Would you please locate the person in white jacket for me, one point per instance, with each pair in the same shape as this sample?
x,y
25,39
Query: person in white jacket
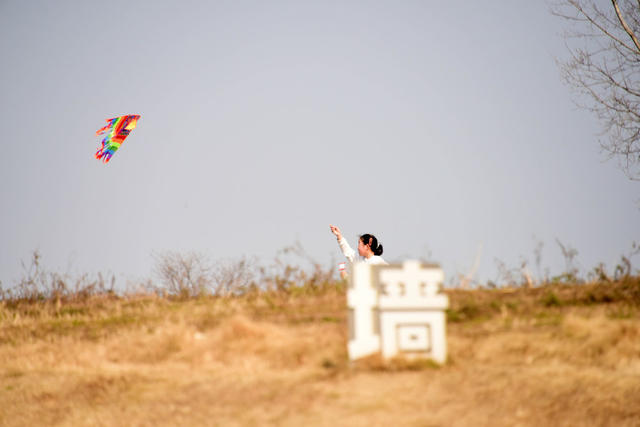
x,y
369,248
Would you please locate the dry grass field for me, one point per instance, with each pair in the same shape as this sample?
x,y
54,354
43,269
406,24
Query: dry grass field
x,y
565,355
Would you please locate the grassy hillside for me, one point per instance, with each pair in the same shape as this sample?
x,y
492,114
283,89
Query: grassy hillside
x,y
551,355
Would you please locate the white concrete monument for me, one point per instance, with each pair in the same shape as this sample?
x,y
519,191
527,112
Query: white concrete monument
x,y
397,309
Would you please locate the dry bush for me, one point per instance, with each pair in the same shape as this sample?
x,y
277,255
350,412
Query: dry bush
x,y
235,277
38,285
194,275
185,275
295,271
520,275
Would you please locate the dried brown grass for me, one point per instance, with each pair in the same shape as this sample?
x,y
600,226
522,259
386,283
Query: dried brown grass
x,y
516,358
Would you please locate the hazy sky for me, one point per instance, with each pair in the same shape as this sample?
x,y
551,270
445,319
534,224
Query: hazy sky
x,y
439,127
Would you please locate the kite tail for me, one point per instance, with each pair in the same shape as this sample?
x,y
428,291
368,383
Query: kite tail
x,y
104,155
105,152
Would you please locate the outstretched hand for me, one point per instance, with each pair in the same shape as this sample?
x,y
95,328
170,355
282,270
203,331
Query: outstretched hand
x,y
336,231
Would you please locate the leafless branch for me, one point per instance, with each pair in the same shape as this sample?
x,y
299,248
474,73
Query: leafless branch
x,y
606,68
624,24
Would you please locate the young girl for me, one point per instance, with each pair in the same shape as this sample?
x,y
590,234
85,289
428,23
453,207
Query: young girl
x,y
368,248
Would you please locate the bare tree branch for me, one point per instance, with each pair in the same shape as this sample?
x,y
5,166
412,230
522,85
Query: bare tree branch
x,y
605,70
624,24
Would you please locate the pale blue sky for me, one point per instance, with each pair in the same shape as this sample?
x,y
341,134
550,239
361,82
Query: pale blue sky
x,y
437,126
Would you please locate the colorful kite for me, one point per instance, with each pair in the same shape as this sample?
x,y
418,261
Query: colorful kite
x,y
117,130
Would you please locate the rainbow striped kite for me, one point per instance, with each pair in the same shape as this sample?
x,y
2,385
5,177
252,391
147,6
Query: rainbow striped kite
x,y
117,130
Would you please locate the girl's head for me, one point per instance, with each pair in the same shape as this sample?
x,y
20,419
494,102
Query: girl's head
x,y
368,246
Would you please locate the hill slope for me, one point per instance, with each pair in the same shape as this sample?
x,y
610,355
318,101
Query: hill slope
x,y
557,355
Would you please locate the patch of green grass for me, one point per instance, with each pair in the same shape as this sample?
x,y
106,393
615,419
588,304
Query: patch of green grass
x,y
329,364
512,305
545,318
469,311
63,327
72,311
117,321
551,300
622,312
87,328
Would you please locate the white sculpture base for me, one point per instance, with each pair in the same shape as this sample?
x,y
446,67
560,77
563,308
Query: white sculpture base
x,y
397,309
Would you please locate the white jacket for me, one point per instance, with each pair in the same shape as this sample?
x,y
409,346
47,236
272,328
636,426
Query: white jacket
x,y
353,257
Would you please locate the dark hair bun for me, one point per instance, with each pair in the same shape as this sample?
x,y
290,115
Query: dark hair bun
x,y
370,239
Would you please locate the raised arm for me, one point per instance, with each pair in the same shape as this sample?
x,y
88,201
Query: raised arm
x,y
349,253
